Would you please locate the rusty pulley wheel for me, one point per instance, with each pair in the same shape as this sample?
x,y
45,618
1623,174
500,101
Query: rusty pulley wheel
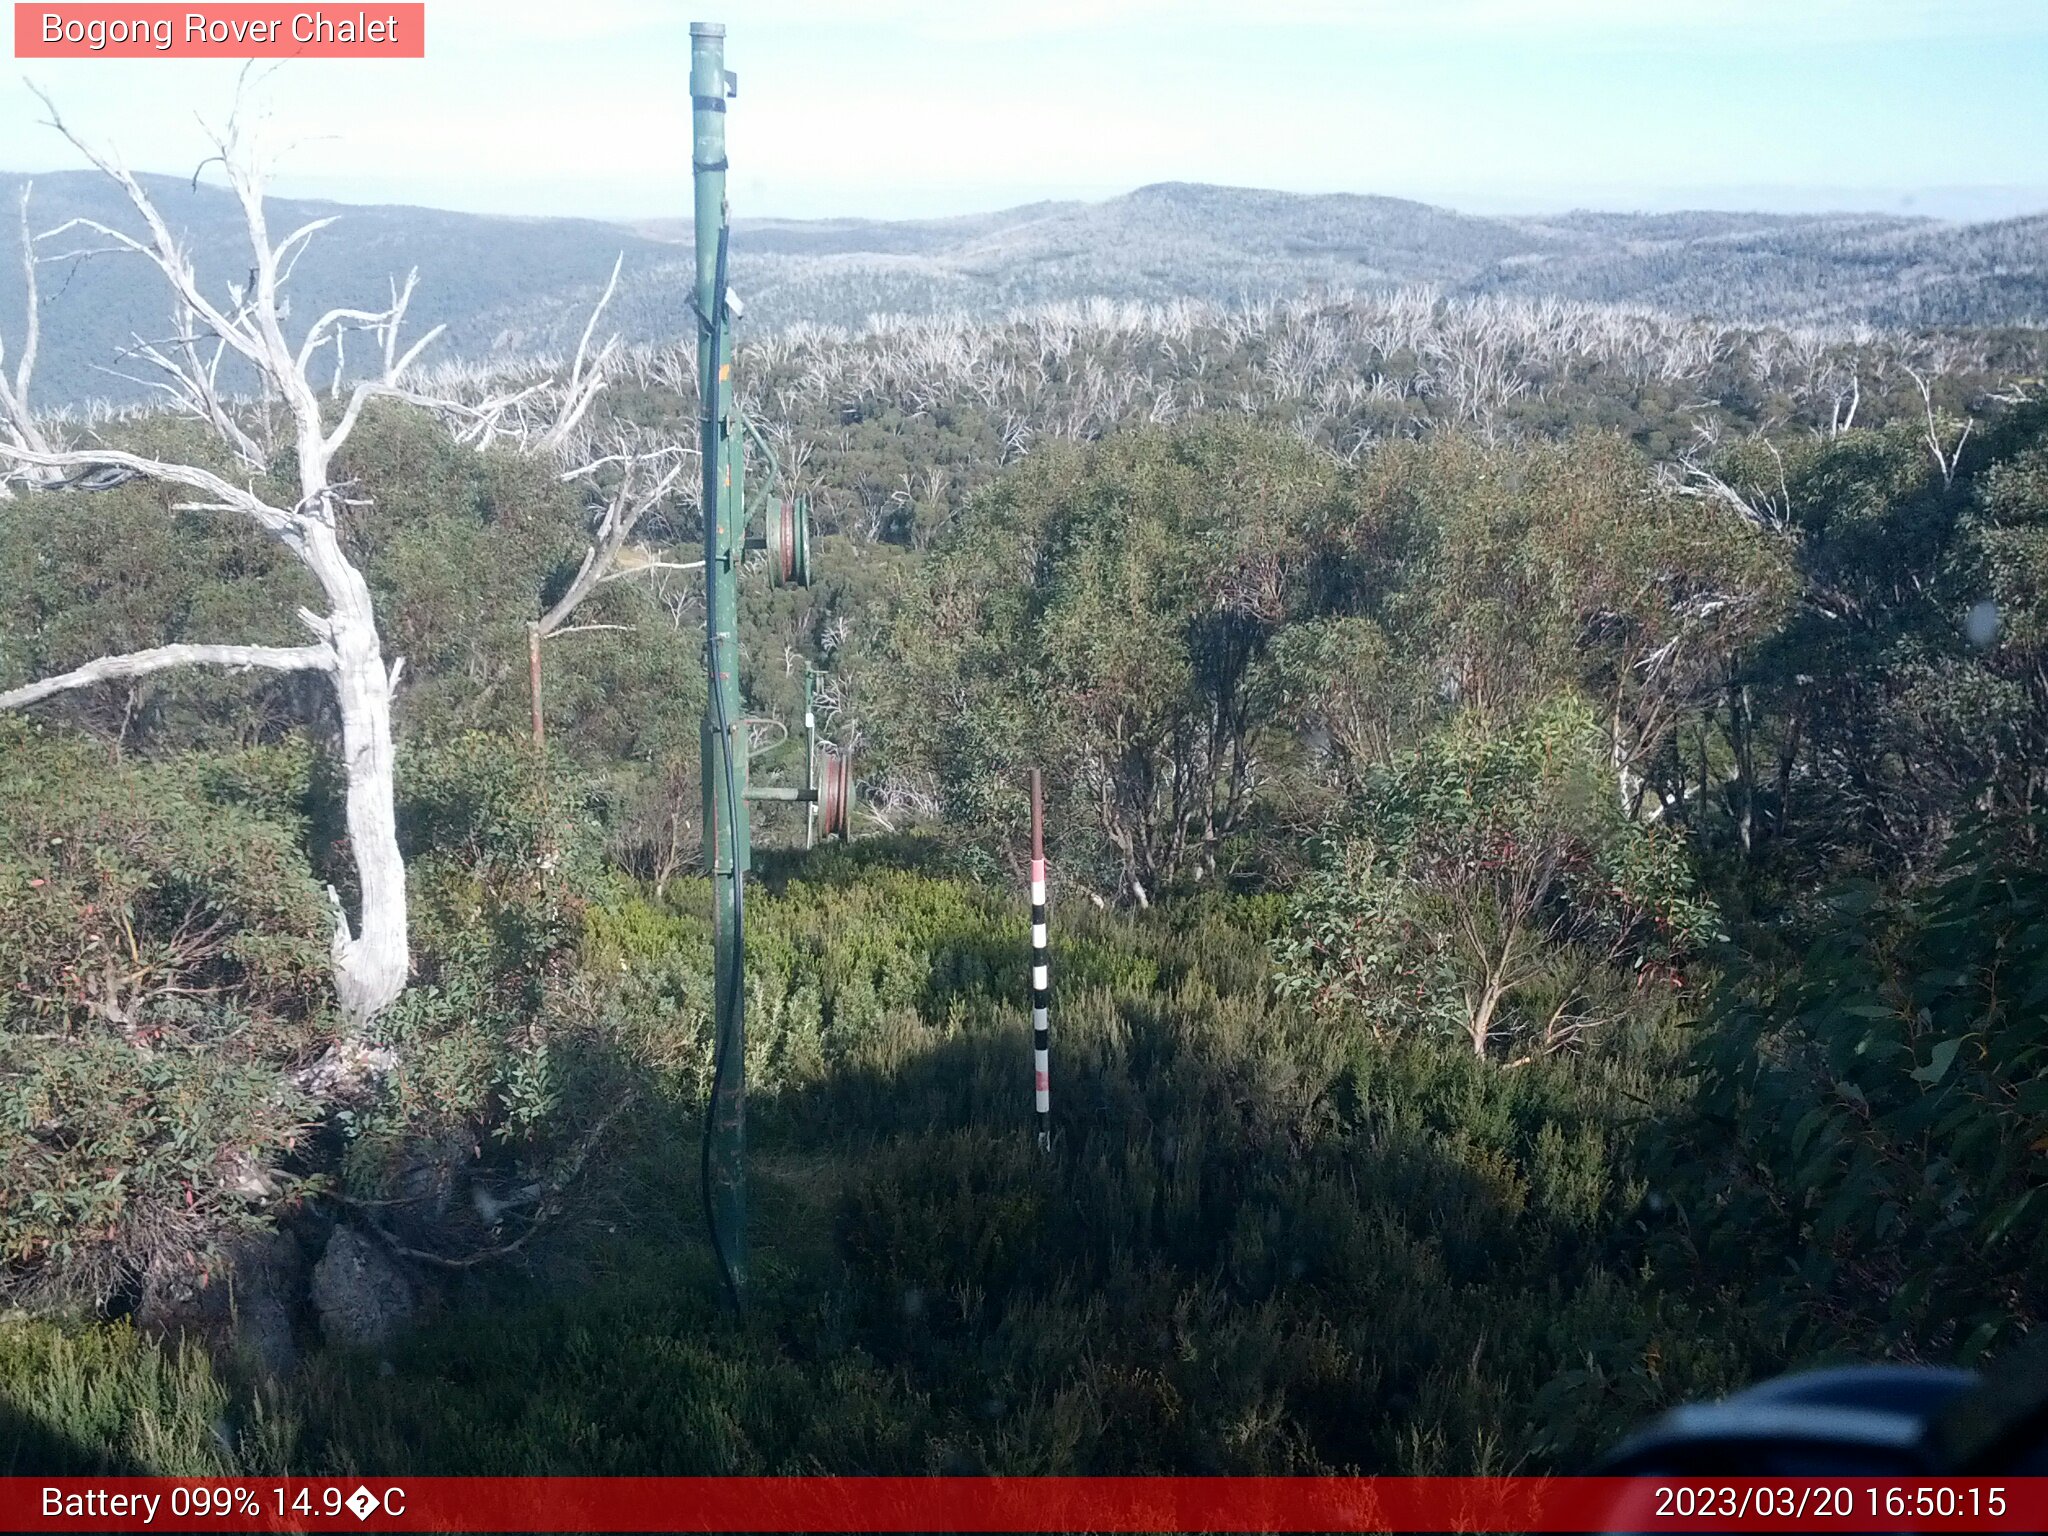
x,y
835,796
789,542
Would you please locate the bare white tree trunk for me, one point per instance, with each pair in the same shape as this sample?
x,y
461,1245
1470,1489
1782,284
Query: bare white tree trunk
x,y
371,963
370,966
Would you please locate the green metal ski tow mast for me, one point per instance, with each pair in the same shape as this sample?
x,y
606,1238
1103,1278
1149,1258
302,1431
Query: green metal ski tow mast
x,y
725,1121
827,790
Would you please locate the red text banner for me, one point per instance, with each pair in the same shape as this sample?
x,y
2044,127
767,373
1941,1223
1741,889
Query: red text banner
x,y
1195,1504
235,31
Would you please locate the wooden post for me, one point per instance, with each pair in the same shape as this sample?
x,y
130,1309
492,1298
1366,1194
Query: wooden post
x,y
540,735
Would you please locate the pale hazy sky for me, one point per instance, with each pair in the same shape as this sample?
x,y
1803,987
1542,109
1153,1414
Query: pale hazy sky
x,y
896,108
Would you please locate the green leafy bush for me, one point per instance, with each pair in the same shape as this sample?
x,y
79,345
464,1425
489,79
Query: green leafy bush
x,y
1876,1114
503,852
163,964
1489,885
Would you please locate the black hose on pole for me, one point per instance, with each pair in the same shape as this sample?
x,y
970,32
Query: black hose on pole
x,y
727,990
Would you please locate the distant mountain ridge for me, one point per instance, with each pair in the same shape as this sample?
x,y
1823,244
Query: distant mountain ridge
x,y
516,286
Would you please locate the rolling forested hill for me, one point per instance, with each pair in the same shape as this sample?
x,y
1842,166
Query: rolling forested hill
x,y
507,287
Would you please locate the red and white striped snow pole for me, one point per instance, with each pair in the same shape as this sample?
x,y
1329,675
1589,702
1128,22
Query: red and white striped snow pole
x,y
1041,1028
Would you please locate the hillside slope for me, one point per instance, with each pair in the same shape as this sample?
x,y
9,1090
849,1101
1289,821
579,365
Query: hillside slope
x,y
507,286
498,284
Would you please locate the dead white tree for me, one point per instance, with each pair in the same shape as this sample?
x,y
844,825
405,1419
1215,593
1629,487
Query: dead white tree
x,y
1945,455
1844,398
1764,508
370,959
630,473
588,374
17,421
646,478
640,479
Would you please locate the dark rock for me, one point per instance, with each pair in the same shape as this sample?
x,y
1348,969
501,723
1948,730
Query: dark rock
x,y
363,1298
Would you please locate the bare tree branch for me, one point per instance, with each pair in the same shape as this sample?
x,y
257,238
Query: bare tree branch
x,y
1946,458
274,658
226,495
583,388
1766,510
646,481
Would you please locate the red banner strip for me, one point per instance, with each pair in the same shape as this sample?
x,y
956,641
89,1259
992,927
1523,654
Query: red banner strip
x,y
1196,1504
243,31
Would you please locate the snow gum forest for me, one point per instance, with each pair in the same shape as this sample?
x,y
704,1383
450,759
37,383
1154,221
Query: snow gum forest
x,y
1546,799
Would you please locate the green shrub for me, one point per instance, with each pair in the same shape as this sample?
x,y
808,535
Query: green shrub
x,y
504,855
109,1400
1488,886
1875,1114
1263,1241
162,968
